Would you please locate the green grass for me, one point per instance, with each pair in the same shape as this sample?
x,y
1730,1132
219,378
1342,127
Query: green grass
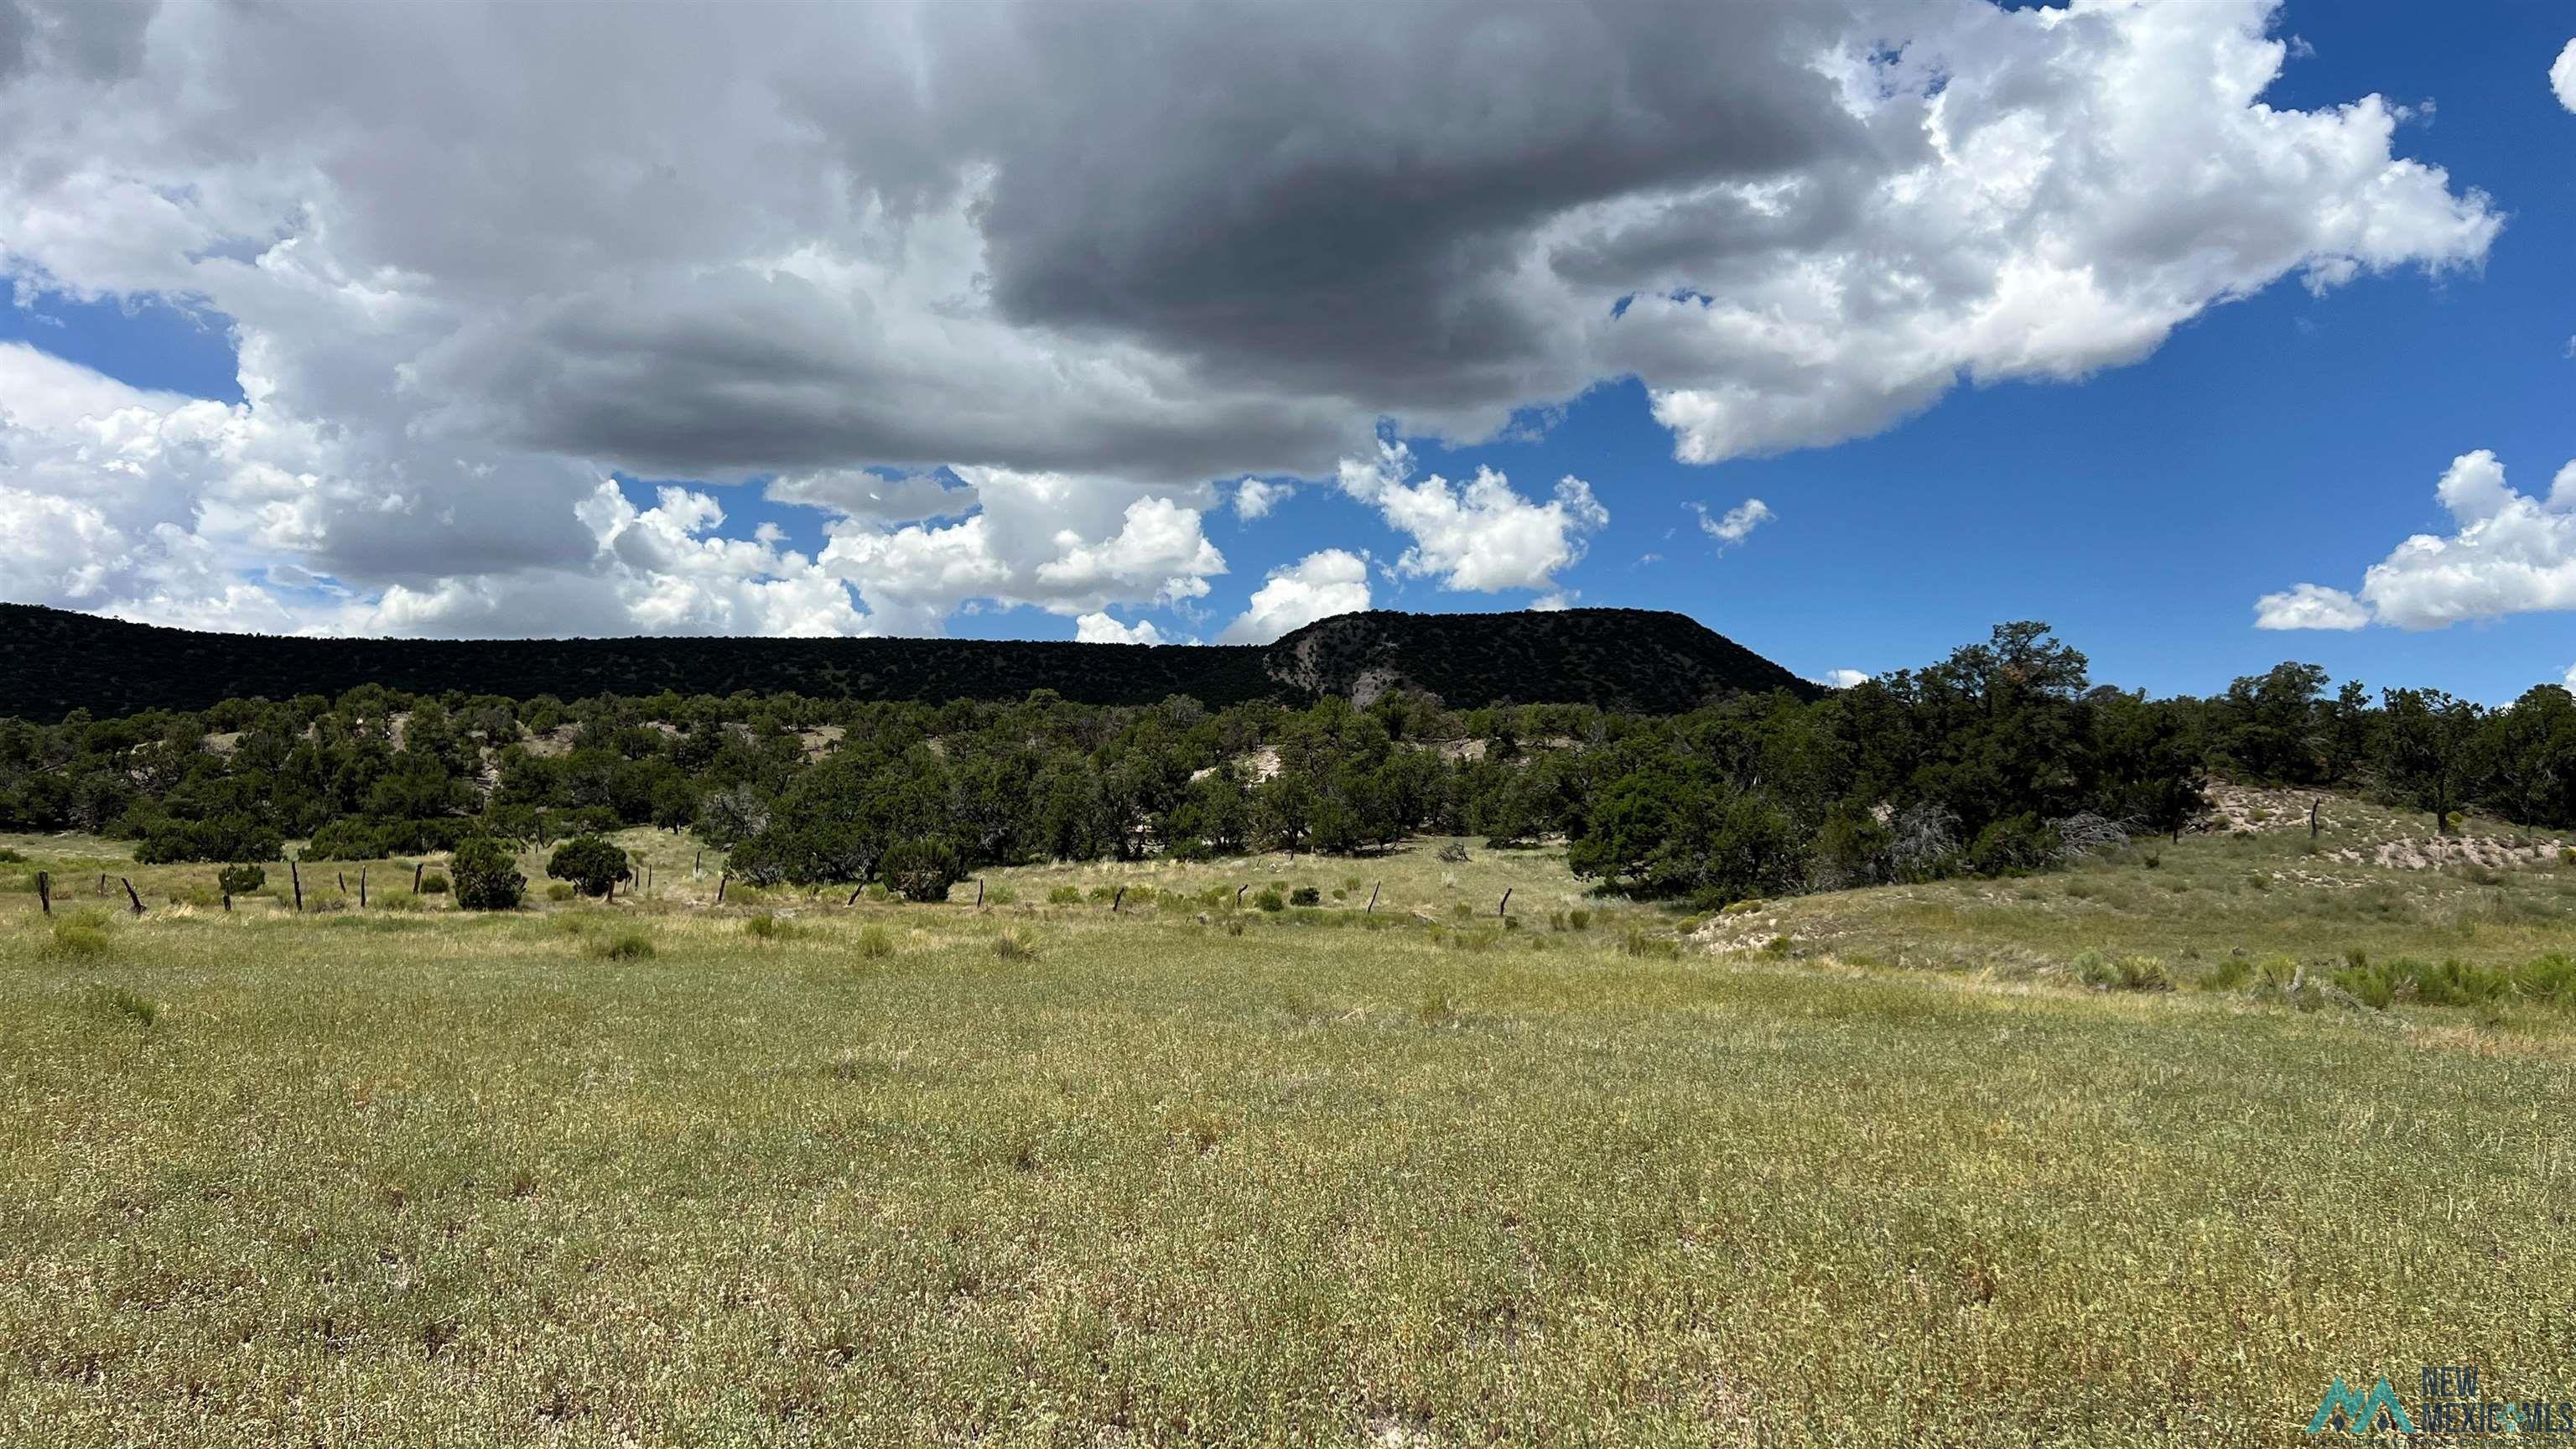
x,y
1192,1175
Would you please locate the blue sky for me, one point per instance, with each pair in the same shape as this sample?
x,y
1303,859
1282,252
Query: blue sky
x,y
2278,435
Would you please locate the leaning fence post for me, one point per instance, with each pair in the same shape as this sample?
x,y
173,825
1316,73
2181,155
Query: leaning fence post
x,y
130,895
979,893
1238,894
1506,905
297,878
1114,900
721,878
854,893
417,868
1373,888
45,891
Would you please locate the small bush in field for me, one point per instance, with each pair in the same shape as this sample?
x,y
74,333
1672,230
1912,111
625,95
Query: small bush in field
x,y
921,870
79,936
119,1003
770,926
1643,944
1013,946
561,891
1453,852
2127,973
592,865
1270,899
1065,895
487,876
1305,895
623,946
874,943
433,884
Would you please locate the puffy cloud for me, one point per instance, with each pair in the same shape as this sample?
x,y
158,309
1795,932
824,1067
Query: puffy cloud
x,y
2310,606
2510,553
2562,76
1842,678
1735,524
1102,629
1255,497
994,237
1052,541
1318,586
1482,536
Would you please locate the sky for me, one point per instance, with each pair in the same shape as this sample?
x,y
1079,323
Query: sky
x,y
2213,332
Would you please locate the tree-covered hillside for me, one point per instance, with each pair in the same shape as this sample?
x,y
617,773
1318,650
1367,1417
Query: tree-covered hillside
x,y
52,662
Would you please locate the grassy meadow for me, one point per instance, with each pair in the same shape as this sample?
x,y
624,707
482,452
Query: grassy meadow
x,y
1876,1167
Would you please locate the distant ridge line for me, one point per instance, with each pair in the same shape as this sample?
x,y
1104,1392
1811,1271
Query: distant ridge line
x,y
53,662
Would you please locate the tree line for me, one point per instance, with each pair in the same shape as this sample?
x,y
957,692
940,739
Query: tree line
x,y
2002,757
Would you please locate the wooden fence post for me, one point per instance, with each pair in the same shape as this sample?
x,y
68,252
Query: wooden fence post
x,y
1506,905
417,868
979,893
131,896
1114,900
854,894
362,887
1373,889
45,891
2312,818
297,877
1238,895
227,895
721,878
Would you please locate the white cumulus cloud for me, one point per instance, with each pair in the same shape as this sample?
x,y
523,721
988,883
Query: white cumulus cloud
x,y
2562,76
1480,536
1255,497
1103,629
2508,553
1318,586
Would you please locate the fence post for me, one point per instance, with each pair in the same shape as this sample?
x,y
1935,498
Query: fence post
x,y
1506,905
2312,818
362,887
854,894
226,894
1238,895
417,868
130,895
1373,889
1114,900
297,878
721,878
45,891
